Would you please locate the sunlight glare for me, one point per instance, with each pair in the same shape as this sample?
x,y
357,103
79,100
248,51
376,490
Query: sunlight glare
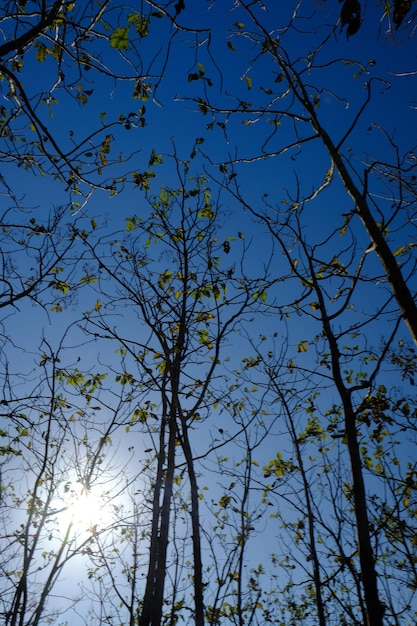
x,y
87,509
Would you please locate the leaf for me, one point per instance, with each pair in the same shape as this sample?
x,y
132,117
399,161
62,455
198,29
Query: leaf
x,y
350,16
97,305
119,39
105,145
401,8
41,52
61,285
225,501
131,223
155,158
141,24
88,279
248,82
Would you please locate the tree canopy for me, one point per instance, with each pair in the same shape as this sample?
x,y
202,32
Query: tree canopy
x,y
209,319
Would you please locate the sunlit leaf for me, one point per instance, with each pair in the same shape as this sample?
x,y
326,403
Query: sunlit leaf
x,y
120,38
248,82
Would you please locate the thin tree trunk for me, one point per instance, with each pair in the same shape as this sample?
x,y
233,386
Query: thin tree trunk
x,y
163,538
396,280
152,607
402,294
310,515
195,524
374,607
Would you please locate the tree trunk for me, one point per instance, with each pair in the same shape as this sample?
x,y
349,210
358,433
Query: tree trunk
x,y
402,294
195,523
396,280
374,608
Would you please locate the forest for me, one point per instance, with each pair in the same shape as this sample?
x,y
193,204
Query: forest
x,y
208,331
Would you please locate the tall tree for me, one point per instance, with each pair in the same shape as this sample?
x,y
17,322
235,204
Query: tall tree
x,y
75,50
328,286
189,299
243,382
52,458
299,106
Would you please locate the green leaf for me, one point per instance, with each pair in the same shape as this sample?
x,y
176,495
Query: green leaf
x,y
141,24
225,501
261,295
119,39
88,279
141,91
61,285
131,223
155,158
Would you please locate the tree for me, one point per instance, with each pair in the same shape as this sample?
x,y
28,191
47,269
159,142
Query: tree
x,y
359,421
76,49
189,300
230,364
300,101
54,457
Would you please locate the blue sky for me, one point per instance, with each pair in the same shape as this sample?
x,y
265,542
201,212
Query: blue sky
x,y
266,184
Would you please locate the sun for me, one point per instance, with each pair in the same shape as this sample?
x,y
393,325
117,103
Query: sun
x,y
86,508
